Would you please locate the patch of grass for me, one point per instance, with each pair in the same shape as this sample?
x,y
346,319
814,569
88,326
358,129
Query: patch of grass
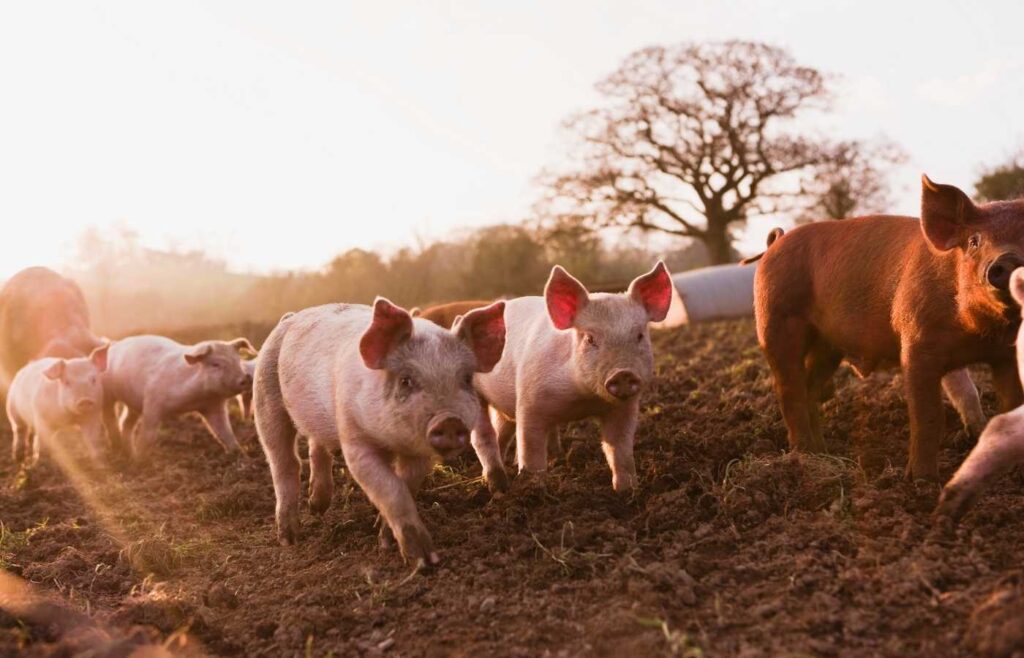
x,y
571,561
151,556
13,541
679,643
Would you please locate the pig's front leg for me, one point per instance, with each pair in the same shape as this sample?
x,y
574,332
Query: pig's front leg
x,y
219,424
92,432
962,392
391,496
618,429
927,419
531,441
112,426
412,470
1000,448
1006,382
488,451
148,429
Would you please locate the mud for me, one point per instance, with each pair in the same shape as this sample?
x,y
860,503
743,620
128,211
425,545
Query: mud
x,y
731,547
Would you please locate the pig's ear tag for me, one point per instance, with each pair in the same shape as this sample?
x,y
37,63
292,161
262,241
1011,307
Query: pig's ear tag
x,y
484,330
653,291
390,327
945,212
1017,285
565,298
56,371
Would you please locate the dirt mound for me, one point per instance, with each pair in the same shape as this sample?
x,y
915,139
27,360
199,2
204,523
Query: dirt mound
x,y
731,546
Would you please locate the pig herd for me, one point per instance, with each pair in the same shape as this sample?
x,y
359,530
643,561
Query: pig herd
x,y
400,391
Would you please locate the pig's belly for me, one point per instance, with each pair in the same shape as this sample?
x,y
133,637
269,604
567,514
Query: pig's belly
x,y
866,347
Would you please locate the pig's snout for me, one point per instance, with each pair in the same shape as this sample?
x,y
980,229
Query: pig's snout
x,y
85,405
999,271
448,435
623,385
245,382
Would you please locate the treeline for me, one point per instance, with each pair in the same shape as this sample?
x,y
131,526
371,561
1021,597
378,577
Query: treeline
x,y
131,288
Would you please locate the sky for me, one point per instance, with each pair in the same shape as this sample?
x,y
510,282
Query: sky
x,y
276,135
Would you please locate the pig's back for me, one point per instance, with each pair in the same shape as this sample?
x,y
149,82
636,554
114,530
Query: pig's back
x,y
844,277
317,342
133,361
530,342
26,386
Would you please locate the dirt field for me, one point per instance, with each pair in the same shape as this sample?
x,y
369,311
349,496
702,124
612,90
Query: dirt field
x,y
730,548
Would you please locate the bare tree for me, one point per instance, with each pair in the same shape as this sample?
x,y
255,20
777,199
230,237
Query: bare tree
x,y
693,140
852,181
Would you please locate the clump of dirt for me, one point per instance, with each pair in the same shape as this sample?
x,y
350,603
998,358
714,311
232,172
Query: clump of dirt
x,y
730,546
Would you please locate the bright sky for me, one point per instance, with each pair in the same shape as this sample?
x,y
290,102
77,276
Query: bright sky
x,y
277,134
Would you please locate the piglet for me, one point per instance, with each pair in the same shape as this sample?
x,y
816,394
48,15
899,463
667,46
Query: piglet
x,y
157,378
572,355
1000,447
395,391
50,395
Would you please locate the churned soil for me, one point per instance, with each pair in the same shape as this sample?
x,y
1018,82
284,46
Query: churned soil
x,y
731,546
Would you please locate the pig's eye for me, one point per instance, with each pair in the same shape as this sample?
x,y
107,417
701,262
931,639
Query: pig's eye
x,y
974,241
215,365
588,339
640,337
407,383
467,381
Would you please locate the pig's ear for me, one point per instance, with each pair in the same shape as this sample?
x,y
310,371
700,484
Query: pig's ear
x,y
565,297
55,371
415,311
390,327
946,213
653,291
99,357
242,345
483,329
1017,285
198,354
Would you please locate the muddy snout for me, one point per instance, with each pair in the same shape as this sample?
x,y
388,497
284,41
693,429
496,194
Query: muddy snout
x,y
623,384
448,435
999,270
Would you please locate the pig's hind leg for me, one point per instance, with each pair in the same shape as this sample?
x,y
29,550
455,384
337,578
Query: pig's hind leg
x,y
277,435
785,346
488,451
963,394
1000,448
821,364
321,478
218,423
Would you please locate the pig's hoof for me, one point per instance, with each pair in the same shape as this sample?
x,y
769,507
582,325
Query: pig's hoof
x,y
953,504
288,530
416,545
928,474
497,481
318,504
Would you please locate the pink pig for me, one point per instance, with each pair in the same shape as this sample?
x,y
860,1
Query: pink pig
x,y
157,378
572,355
1000,446
395,391
51,395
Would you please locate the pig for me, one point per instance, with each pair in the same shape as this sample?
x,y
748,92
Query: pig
x,y
245,397
930,296
1000,447
51,395
41,314
157,378
571,355
445,314
395,391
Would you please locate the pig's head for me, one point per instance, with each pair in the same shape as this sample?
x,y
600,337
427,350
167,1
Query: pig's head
x,y
427,373
611,341
988,240
79,389
219,366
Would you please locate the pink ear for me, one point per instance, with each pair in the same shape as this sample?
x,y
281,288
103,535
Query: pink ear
x,y
945,211
654,291
565,297
484,330
99,357
391,326
55,371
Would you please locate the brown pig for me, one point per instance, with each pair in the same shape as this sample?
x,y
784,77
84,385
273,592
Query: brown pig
x,y
41,314
444,315
930,296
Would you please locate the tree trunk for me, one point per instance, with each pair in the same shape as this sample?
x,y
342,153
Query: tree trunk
x,y
719,243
